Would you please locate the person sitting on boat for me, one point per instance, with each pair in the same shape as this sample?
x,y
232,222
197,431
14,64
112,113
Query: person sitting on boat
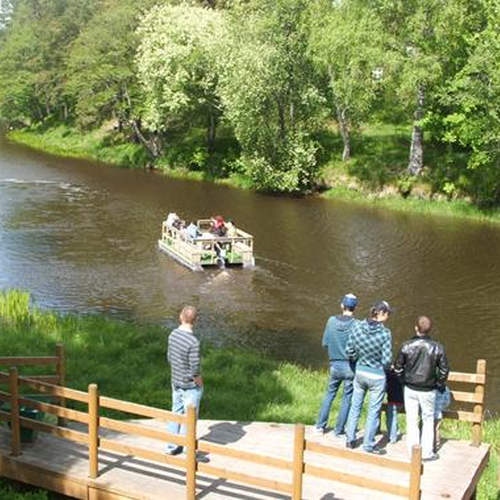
x,y
218,226
231,230
192,230
172,219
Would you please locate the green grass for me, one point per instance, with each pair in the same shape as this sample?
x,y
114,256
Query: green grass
x,y
14,491
98,144
127,361
376,175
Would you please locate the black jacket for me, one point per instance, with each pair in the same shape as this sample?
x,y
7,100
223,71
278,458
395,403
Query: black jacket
x,y
422,364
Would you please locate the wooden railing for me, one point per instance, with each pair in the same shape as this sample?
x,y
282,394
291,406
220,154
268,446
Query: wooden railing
x,y
299,467
92,434
57,362
192,249
476,416
96,423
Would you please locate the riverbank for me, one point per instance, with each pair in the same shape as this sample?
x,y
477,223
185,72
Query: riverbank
x,y
108,351
364,180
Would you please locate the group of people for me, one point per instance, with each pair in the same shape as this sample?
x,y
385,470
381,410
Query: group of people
x,y
218,226
360,353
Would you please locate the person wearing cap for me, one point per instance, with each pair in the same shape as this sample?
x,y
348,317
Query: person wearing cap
x,y
337,332
423,367
370,345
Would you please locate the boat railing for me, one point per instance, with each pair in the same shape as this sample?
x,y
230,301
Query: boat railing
x,y
207,248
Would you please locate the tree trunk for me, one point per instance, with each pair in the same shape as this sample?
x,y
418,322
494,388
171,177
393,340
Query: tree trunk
x,y
281,119
344,132
416,160
211,132
152,144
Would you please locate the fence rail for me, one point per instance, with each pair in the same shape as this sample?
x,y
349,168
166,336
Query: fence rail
x,y
298,465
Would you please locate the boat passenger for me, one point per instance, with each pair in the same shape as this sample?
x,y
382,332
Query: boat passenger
x,y
231,230
218,226
192,231
172,219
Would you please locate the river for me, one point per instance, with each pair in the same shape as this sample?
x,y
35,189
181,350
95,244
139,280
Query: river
x,y
82,237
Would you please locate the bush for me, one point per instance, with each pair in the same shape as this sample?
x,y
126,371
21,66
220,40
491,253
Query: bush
x,y
292,169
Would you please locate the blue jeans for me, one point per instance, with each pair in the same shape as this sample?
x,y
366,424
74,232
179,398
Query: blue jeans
x,y
391,420
376,388
181,399
340,371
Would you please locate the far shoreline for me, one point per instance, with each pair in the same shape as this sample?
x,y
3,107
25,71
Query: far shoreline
x,y
87,147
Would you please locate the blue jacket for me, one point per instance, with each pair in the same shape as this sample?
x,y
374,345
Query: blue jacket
x,y
337,331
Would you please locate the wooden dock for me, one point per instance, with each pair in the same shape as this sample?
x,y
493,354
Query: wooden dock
x,y
85,454
60,465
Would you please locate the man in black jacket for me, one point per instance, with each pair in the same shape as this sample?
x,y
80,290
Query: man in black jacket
x,y
423,367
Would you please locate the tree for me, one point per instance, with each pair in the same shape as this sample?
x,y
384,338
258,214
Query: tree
x,y
32,57
6,8
176,67
427,41
101,72
474,122
267,87
347,45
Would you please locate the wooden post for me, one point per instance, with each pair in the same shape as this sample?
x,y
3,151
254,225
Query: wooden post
x,y
191,453
15,424
298,461
478,408
93,393
61,375
415,472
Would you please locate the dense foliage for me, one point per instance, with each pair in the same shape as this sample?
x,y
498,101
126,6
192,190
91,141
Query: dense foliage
x,y
261,89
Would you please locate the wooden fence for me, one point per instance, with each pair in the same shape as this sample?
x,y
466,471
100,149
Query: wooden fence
x,y
476,416
297,464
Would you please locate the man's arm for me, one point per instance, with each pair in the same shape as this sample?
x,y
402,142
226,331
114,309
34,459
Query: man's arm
x,y
350,347
443,368
387,352
194,358
326,334
399,364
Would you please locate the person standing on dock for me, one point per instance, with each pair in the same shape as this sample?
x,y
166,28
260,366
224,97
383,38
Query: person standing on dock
x,y
337,331
370,345
423,367
184,357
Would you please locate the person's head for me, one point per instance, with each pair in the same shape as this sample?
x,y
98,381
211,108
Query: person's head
x,y
349,303
423,326
380,311
188,315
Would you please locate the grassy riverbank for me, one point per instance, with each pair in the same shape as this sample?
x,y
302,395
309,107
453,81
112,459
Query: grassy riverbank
x,y
375,176
128,362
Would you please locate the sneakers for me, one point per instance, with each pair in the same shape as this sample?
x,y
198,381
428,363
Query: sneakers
x,y
375,451
318,430
432,458
201,457
174,451
350,445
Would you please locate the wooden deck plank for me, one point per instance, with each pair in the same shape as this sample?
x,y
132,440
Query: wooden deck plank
x,y
121,476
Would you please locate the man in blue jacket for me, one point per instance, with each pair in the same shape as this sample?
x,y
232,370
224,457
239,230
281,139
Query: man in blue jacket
x,y
337,332
370,345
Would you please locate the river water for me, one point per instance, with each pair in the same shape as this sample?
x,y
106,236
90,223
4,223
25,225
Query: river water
x,y
82,237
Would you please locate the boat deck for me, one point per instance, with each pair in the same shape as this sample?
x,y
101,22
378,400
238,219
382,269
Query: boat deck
x,y
62,466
